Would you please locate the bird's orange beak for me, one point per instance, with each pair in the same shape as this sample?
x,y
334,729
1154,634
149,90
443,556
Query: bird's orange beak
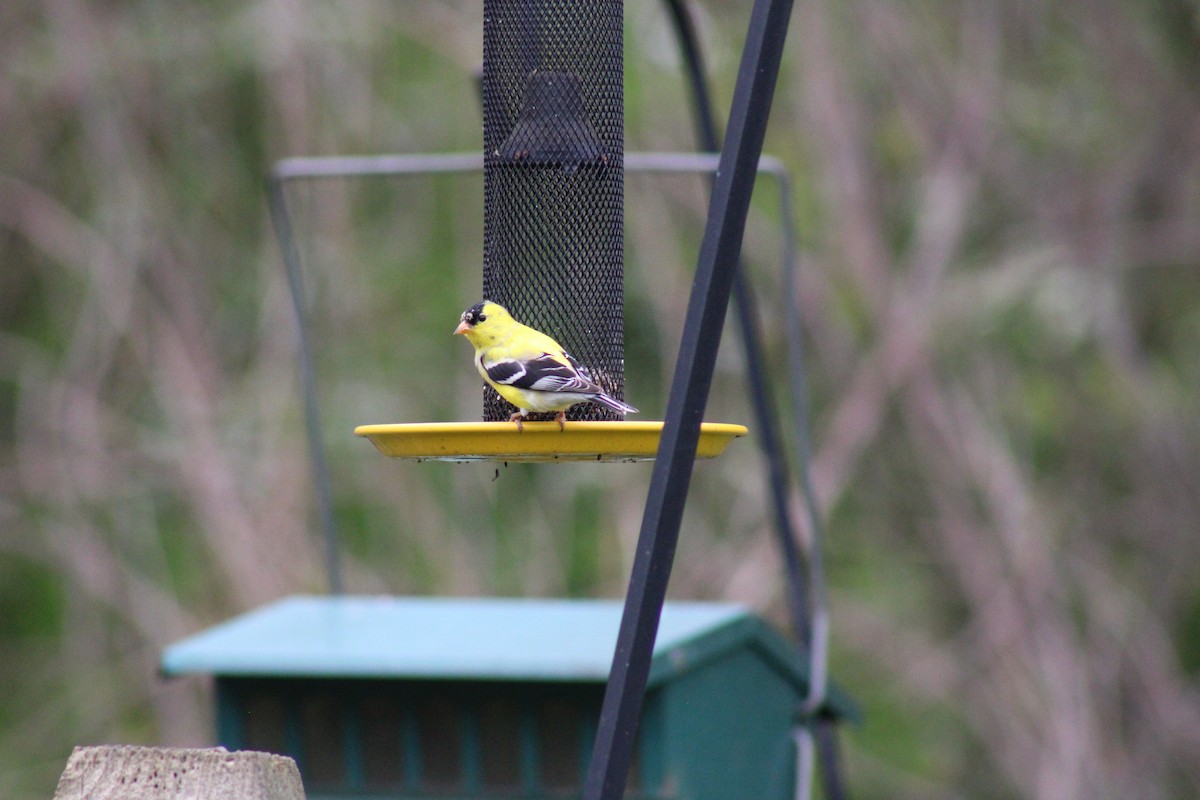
x,y
463,327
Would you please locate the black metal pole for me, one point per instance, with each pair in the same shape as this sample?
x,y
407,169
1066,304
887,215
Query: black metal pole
x,y
825,731
672,473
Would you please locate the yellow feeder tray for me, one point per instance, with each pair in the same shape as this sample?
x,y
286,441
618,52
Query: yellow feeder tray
x,y
539,441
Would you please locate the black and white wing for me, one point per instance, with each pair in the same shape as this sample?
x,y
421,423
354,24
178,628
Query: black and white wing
x,y
545,373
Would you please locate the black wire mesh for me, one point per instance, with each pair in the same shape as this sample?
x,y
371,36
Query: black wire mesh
x,y
553,134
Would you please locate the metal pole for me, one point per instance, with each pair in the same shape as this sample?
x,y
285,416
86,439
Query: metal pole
x,y
810,618
322,485
766,425
689,394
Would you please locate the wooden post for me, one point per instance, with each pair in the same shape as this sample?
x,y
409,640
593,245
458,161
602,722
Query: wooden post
x,y
122,772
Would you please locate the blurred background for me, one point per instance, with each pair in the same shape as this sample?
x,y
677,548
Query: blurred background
x,y
997,205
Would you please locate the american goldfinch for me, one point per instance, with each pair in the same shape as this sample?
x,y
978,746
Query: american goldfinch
x,y
527,367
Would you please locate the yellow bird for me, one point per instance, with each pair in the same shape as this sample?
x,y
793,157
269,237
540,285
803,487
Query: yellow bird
x,y
527,367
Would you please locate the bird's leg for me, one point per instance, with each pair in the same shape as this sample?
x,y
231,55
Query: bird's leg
x,y
561,419
517,419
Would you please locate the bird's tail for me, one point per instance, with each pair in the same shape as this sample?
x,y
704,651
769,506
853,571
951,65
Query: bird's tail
x,y
613,403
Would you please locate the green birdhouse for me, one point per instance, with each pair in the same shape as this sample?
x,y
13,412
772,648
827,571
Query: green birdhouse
x,y
387,697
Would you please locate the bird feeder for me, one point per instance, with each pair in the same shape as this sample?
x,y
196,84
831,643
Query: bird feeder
x,y
390,697
553,165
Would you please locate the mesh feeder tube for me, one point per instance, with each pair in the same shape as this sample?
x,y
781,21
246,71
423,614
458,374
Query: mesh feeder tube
x,y
553,135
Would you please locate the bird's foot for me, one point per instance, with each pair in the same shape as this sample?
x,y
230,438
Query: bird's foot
x,y
561,419
517,417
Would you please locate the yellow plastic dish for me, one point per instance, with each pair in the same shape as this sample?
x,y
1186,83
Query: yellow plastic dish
x,y
539,441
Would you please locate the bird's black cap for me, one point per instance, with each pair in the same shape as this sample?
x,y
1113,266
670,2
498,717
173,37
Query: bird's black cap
x,y
474,315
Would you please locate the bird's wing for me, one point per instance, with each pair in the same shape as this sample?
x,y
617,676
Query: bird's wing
x,y
543,373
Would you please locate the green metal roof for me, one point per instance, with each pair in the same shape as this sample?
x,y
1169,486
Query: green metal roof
x,y
443,638
475,639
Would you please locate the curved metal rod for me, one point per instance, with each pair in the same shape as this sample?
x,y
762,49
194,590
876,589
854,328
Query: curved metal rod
x,y
401,165
322,485
810,615
305,168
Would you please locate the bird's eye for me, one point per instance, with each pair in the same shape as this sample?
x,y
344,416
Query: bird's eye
x,y
480,318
